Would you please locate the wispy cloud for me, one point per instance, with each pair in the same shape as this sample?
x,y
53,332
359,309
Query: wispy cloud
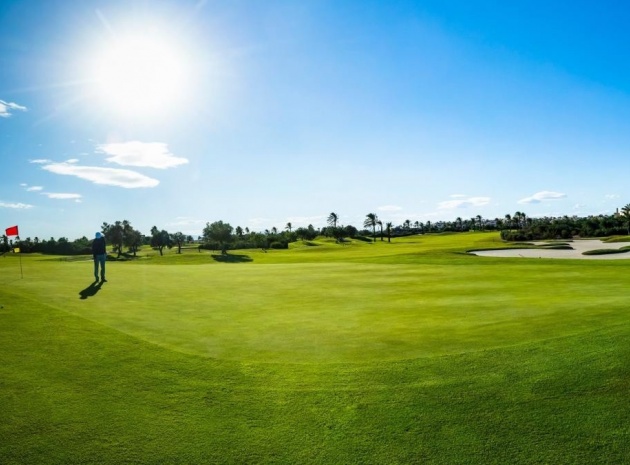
x,y
34,188
389,208
135,153
463,202
542,196
62,196
186,221
40,161
611,196
106,176
15,205
7,107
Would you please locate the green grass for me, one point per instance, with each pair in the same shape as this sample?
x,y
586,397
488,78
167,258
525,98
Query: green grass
x,y
402,352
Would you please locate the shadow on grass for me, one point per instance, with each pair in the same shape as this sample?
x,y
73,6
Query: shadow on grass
x,y
229,258
91,290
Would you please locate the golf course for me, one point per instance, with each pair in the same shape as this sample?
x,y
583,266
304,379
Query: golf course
x,y
404,352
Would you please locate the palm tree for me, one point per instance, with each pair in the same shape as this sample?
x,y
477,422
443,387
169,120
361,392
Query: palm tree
x,y
370,222
332,219
459,222
388,230
479,222
407,224
625,212
239,231
508,220
380,223
288,227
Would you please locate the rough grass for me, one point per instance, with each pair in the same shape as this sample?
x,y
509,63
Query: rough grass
x,y
409,352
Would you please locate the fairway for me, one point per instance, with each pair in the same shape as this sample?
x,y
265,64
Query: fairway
x,y
409,352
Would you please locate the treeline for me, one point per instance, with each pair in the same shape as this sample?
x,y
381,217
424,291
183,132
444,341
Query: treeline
x,y
123,238
567,227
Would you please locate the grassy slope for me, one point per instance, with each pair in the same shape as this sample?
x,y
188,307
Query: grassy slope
x,y
366,353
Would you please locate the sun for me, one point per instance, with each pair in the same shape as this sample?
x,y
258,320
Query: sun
x,y
139,76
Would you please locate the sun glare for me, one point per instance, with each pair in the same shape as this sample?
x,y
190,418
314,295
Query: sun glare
x,y
139,76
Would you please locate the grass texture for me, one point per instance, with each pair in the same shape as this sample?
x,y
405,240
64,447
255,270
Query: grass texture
x,y
384,353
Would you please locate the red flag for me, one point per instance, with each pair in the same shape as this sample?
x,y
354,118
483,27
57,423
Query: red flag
x,y
12,231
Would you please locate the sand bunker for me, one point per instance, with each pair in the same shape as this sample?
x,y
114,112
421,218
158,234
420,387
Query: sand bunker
x,y
579,246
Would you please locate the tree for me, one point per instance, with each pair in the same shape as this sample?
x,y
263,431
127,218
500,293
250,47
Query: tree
x,y
459,222
388,230
370,222
306,234
288,227
350,231
479,222
160,239
625,212
115,235
179,238
332,219
238,231
380,224
133,240
220,232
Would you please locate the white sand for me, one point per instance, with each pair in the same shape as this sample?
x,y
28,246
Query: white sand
x,y
579,246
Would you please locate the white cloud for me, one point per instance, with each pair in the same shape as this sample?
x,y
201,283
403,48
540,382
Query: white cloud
x,y
458,196
389,208
40,161
106,176
73,160
15,205
135,153
543,196
612,196
63,196
7,107
464,203
34,188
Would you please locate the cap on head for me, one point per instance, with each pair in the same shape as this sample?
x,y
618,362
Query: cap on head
x,y
98,235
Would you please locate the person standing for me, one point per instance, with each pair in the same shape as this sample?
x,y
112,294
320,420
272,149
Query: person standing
x,y
100,255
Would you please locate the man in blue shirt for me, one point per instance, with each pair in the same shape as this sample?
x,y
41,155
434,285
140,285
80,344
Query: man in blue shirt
x,y
100,255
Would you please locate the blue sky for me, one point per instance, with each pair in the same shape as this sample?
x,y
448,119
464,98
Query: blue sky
x,y
178,113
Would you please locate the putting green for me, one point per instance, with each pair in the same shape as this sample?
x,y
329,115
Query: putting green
x,y
336,312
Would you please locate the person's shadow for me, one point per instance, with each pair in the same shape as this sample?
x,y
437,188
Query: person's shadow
x,y
91,290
